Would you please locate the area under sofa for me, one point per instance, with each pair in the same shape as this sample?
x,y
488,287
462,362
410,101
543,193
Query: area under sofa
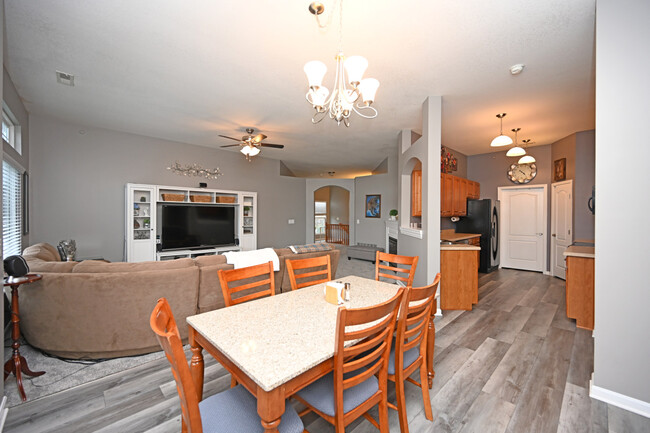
x,y
93,309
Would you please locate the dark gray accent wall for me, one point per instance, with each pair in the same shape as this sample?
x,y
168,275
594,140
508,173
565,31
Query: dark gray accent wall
x,y
79,174
373,230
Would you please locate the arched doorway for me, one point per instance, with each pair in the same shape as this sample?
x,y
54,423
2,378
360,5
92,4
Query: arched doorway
x,y
332,215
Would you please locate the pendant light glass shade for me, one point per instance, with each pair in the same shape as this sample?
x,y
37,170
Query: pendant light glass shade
x,y
527,159
355,66
315,71
516,151
501,140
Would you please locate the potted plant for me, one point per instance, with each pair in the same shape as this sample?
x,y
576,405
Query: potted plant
x,y
247,210
393,214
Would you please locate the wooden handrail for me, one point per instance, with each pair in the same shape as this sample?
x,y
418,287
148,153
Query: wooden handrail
x,y
337,234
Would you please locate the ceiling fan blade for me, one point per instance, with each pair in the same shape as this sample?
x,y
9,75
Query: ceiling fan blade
x,y
230,145
230,138
259,137
277,146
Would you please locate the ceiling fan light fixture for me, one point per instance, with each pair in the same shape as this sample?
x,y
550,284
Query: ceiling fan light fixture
x,y
501,140
516,151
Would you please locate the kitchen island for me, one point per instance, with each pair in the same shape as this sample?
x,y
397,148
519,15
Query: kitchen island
x,y
458,276
580,285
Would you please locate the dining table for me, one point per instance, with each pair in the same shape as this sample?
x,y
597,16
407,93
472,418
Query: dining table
x,y
277,345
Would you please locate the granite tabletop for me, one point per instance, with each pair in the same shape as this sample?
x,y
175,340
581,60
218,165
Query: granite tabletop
x,y
277,338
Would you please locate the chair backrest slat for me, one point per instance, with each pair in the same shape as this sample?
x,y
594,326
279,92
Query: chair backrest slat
x,y
309,278
386,267
164,326
230,277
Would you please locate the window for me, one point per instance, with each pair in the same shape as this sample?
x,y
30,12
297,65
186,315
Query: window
x,y
10,129
320,218
11,209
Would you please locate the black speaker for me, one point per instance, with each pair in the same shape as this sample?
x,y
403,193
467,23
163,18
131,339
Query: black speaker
x,y
16,266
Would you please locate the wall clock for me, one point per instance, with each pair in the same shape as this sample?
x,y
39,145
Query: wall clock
x,y
522,173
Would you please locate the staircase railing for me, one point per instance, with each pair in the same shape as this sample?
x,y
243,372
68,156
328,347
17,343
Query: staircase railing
x,y
337,234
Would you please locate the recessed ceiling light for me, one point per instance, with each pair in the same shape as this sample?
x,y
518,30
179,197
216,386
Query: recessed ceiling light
x,y
517,69
65,78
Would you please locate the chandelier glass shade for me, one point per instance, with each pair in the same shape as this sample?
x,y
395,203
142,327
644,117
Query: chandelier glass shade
x,y
501,140
350,92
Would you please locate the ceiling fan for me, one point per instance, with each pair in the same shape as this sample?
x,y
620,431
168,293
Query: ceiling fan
x,y
250,145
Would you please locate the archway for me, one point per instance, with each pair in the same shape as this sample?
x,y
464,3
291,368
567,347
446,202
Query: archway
x,y
332,215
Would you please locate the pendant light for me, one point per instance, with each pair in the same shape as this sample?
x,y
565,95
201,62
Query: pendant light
x,y
501,140
516,151
526,159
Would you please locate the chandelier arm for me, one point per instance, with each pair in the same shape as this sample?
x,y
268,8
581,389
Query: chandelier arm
x,y
315,118
365,108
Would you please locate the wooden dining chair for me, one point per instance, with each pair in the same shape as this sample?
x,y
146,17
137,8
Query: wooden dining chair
x,y
233,410
352,388
249,280
409,352
321,271
386,266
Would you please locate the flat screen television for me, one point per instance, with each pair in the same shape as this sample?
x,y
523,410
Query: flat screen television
x,y
192,226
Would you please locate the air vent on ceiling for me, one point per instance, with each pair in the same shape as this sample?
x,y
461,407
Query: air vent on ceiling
x,y
65,78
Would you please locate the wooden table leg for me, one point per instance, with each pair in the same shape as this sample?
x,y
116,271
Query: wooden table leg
x,y
270,407
431,344
196,363
17,364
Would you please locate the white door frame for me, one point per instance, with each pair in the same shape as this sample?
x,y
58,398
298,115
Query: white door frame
x,y
553,222
543,187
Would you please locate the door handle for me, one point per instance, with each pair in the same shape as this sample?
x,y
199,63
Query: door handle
x,y
553,235
540,234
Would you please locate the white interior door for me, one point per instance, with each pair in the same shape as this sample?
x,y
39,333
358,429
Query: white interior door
x,y
523,227
561,225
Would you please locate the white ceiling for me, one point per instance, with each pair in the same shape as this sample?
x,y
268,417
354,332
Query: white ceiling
x,y
189,71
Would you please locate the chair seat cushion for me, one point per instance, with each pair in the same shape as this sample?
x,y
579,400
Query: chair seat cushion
x,y
320,394
409,357
235,410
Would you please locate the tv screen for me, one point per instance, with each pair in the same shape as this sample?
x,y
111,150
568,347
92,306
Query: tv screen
x,y
196,226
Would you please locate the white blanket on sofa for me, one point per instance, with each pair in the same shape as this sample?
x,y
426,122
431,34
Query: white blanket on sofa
x,y
242,259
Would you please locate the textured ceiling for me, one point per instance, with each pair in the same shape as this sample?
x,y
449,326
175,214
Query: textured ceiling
x,y
164,69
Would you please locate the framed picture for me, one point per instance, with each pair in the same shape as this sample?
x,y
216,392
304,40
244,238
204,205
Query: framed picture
x,y
373,206
560,170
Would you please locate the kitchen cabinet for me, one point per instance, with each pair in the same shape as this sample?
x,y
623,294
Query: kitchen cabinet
x,y
416,193
580,286
454,192
458,277
445,195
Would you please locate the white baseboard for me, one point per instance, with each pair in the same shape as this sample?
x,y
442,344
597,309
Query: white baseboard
x,y
439,312
619,400
3,413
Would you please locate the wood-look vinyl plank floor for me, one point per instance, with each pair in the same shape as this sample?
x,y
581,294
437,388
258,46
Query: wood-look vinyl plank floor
x,y
514,364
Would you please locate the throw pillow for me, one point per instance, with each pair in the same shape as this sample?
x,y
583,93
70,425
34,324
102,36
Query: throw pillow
x,y
310,248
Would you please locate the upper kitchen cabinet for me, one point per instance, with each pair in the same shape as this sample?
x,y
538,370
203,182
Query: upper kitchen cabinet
x,y
454,192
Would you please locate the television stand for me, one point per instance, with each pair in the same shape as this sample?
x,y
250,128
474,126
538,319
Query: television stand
x,y
181,254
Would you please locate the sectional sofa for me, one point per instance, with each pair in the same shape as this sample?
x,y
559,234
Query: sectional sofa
x,y
93,309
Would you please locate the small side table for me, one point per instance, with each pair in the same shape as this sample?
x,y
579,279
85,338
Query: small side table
x,y
17,364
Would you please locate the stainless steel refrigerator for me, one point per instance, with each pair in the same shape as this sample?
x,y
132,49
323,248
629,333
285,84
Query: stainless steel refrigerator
x,y
483,218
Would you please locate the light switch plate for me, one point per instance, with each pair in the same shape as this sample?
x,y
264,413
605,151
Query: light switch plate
x,y
292,221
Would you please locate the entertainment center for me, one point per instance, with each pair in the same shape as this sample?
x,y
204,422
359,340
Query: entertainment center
x,y
169,222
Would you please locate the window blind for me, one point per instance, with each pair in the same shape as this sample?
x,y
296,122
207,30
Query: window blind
x,y
11,210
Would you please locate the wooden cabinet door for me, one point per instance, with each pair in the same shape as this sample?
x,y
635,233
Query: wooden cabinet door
x,y
464,191
416,193
445,195
455,196
474,190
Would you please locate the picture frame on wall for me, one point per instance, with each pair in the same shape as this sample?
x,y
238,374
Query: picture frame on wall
x,y
373,206
559,172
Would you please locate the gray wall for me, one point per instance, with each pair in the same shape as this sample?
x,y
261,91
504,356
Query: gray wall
x,y
622,322
339,205
373,230
78,176
585,172
565,148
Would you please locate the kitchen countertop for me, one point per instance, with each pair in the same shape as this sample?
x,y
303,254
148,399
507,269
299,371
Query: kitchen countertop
x,y
455,237
575,251
460,247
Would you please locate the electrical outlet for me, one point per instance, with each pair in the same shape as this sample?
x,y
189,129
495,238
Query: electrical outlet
x,y
292,221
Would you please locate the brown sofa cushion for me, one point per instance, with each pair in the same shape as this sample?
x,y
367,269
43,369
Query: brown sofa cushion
x,y
43,251
38,265
94,266
211,260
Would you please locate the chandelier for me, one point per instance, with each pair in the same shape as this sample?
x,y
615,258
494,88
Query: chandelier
x,y
195,170
343,100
